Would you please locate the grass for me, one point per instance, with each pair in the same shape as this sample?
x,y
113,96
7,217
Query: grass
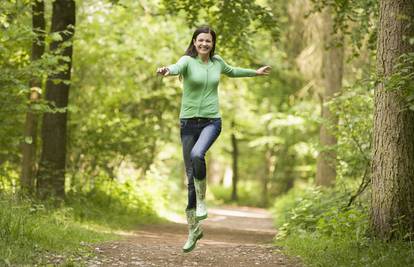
x,y
33,232
314,225
317,250
117,210
29,232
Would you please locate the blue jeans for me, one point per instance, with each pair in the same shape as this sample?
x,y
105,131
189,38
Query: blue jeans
x,y
197,136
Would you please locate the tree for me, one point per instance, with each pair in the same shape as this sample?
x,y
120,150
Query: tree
x,y
393,133
30,131
332,69
51,176
234,21
234,155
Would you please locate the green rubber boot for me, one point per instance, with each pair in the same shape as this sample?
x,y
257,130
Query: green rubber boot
x,y
194,231
200,188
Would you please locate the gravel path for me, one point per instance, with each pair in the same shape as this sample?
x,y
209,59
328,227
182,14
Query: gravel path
x,y
233,236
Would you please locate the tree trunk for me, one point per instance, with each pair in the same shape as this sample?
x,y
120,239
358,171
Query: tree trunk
x,y
332,70
235,155
30,130
270,164
392,211
51,177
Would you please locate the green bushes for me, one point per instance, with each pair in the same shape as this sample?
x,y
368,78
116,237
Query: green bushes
x,y
319,210
319,228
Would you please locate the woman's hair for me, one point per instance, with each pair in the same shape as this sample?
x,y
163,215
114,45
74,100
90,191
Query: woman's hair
x,y
191,50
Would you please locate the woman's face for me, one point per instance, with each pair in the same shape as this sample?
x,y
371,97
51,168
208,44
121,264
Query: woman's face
x,y
203,43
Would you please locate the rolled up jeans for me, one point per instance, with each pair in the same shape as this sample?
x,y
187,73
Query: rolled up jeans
x,y
197,136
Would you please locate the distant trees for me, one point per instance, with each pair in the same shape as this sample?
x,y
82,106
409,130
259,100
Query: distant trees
x,y
332,71
51,175
392,212
235,157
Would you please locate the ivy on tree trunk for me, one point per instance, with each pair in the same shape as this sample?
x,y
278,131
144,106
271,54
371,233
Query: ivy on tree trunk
x,y
51,176
31,124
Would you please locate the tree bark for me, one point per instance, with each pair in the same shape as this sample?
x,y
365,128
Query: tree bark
x,y
51,177
332,70
235,155
30,130
392,211
269,168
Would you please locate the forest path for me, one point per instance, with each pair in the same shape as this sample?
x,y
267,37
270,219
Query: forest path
x,y
233,236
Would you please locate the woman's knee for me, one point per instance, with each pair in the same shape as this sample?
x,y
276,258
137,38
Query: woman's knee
x,y
197,156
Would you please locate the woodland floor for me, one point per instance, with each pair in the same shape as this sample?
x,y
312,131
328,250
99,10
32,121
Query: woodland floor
x,y
233,236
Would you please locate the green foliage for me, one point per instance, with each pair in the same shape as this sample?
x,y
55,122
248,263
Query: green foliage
x,y
402,78
246,193
276,126
320,210
233,21
120,110
319,228
345,251
15,40
113,204
9,177
17,69
29,231
284,204
355,18
354,108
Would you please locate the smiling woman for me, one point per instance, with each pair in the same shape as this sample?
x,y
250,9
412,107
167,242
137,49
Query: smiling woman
x,y
200,119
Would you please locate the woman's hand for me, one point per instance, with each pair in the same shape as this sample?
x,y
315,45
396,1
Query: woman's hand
x,y
265,70
163,71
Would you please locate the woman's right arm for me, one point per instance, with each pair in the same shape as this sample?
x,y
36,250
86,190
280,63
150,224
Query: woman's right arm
x,y
178,68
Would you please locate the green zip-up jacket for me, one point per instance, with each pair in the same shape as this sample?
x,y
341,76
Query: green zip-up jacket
x,y
200,96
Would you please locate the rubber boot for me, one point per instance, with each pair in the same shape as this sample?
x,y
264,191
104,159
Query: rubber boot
x,y
194,231
200,188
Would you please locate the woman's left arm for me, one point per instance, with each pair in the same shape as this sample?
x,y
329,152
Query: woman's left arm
x,y
241,72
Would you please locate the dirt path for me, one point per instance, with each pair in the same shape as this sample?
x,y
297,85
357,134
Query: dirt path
x,y
232,237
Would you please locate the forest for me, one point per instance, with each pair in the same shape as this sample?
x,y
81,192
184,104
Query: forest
x,y
322,147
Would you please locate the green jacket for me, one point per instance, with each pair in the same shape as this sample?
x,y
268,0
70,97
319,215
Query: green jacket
x,y
200,98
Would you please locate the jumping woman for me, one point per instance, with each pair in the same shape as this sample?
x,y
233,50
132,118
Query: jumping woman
x,y
200,119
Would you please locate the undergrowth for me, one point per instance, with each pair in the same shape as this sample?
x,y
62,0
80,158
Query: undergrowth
x,y
35,232
316,225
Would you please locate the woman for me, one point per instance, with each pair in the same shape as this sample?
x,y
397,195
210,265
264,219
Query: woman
x,y
200,119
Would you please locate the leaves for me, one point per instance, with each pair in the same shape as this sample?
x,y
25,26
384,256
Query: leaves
x,y
28,140
234,21
355,18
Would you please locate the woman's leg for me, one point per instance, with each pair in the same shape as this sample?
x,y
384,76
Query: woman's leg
x,y
188,142
208,135
189,137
